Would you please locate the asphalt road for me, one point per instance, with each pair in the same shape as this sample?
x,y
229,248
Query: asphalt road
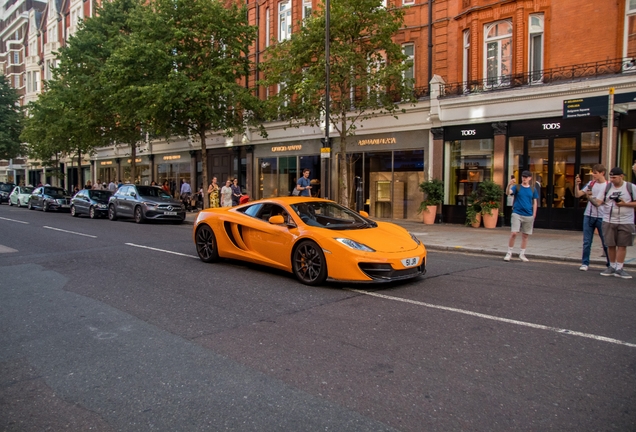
x,y
117,326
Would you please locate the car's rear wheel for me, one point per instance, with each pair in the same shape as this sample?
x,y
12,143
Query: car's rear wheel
x,y
10,203
45,207
112,214
91,213
206,244
73,211
139,215
308,263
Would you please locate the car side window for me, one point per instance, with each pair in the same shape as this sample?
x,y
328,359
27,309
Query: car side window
x,y
252,210
122,191
38,191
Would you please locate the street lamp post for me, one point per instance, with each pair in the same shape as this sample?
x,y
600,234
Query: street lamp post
x,y
326,151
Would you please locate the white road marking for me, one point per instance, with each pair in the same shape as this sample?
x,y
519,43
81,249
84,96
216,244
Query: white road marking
x,y
162,250
70,232
495,318
6,249
13,220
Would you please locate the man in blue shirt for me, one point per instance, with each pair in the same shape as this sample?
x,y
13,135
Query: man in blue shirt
x,y
524,210
304,184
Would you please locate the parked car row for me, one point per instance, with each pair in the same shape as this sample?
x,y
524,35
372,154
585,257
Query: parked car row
x,y
141,203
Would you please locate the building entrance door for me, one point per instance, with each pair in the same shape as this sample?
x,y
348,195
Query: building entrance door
x,y
554,162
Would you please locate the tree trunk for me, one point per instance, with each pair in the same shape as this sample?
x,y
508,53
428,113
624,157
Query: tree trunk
x,y
343,169
204,168
80,172
133,164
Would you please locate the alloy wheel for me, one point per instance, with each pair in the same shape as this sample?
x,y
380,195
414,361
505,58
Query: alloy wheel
x,y
91,212
206,244
309,263
73,211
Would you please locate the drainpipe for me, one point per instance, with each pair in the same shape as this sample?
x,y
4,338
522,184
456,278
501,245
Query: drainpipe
x,y
430,41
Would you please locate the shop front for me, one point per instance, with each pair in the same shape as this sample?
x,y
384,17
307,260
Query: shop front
x,y
385,171
555,150
469,157
174,168
142,174
627,144
107,171
278,167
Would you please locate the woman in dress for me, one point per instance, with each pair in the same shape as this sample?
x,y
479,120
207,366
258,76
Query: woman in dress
x,y
226,194
236,193
213,191
166,187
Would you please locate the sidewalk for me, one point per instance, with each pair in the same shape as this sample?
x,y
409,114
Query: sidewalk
x,y
552,245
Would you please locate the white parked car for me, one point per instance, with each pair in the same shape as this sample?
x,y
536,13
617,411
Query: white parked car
x,y
20,196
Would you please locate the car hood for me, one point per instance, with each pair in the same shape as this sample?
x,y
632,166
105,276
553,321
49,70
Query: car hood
x,y
159,200
386,237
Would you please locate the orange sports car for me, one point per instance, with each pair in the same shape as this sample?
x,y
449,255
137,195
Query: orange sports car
x,y
313,238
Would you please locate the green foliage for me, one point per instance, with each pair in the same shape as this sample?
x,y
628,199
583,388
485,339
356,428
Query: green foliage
x,y
490,194
363,57
11,121
433,193
473,208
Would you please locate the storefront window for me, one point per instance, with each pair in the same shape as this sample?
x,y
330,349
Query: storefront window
x,y
378,167
408,173
313,164
268,178
288,175
470,164
174,173
590,156
142,174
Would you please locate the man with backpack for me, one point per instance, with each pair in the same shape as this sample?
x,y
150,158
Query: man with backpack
x,y
593,216
524,210
618,221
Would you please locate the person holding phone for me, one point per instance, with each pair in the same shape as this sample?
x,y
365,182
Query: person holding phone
x,y
524,211
593,215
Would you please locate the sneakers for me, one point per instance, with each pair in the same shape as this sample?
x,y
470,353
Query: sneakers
x,y
583,267
523,258
508,256
608,271
622,274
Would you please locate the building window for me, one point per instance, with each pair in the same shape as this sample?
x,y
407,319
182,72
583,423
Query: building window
x,y
466,59
408,2
409,74
284,21
28,83
306,8
16,81
470,164
268,35
535,48
16,58
629,48
35,81
498,48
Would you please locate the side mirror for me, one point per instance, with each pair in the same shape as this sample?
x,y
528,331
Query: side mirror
x,y
277,220
364,214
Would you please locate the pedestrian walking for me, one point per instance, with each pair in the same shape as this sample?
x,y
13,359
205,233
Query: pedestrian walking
x,y
618,221
226,194
213,192
236,193
593,216
304,184
524,211
112,186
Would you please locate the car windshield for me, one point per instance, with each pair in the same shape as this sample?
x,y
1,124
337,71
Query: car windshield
x,y
26,190
151,191
99,194
54,191
330,215
6,187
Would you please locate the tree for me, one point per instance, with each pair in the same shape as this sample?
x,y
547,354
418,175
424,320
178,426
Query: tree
x,y
366,72
11,121
193,55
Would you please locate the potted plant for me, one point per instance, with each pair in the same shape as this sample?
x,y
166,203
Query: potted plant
x,y
473,210
491,194
433,197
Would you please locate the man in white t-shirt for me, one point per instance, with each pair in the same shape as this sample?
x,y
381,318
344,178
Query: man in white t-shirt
x,y
618,221
593,216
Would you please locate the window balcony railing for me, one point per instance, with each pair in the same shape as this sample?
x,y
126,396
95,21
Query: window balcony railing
x,y
545,76
49,47
32,60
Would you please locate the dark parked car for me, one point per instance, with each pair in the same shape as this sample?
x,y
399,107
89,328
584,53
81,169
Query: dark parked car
x,y
94,203
5,191
49,198
145,202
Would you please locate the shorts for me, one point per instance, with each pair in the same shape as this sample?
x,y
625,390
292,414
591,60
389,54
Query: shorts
x,y
618,234
521,224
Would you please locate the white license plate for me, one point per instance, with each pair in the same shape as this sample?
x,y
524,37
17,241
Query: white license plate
x,y
170,213
410,262
65,206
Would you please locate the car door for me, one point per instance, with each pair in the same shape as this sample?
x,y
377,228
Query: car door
x,y
269,242
81,202
118,199
36,197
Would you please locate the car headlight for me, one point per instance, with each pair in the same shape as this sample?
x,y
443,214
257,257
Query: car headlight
x,y
415,239
150,206
355,245
102,206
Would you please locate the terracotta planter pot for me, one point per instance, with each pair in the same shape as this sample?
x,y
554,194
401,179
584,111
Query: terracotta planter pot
x,y
429,214
490,220
477,223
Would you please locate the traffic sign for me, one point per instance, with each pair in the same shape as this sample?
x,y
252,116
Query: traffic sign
x,y
585,107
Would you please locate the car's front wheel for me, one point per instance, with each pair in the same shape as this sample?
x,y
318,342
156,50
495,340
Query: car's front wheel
x,y
73,211
91,213
112,214
10,203
206,244
308,263
139,215
45,207
19,203
30,206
